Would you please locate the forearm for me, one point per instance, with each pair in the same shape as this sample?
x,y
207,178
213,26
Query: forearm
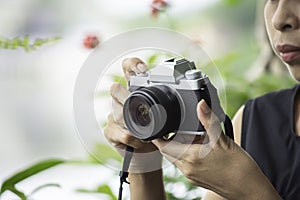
x,y
147,186
260,188
248,182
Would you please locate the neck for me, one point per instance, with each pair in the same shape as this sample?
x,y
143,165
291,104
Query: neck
x,y
297,114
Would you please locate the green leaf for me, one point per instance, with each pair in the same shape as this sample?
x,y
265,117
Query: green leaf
x,y
44,186
105,189
232,2
10,183
38,42
120,79
102,189
18,193
6,44
15,43
151,61
103,94
25,43
104,153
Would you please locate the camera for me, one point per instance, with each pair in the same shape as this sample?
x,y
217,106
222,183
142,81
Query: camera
x,y
164,99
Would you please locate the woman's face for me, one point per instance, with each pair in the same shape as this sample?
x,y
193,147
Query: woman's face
x,y
282,19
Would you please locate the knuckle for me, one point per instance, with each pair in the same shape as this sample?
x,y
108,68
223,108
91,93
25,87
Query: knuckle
x,y
127,63
125,138
106,132
118,118
225,142
120,121
131,62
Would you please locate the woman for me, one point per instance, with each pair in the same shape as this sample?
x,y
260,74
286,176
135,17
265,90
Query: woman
x,y
267,128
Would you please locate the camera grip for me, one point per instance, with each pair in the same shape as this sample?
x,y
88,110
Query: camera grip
x,y
212,99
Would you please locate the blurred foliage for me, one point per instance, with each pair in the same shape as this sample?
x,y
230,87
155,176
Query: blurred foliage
x,y
10,183
25,43
119,79
239,85
102,189
175,178
103,154
232,2
238,15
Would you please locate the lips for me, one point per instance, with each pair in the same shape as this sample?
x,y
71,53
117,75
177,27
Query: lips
x,y
288,53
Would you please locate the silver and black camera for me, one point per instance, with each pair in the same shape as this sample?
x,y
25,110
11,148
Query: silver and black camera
x,y
163,100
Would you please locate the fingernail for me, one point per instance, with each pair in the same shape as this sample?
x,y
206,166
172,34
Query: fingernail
x,y
204,107
142,67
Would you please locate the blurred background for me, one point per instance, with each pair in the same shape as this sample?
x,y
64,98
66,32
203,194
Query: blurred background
x,y
43,44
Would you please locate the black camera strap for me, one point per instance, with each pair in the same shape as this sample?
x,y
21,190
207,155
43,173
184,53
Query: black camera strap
x,y
125,168
228,127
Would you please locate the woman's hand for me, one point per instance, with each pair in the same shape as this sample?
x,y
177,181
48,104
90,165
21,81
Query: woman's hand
x,y
115,131
216,162
147,157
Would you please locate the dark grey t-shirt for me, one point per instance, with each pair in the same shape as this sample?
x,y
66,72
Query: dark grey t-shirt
x,y
268,136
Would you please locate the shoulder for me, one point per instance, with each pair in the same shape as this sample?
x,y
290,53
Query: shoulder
x,y
273,103
265,103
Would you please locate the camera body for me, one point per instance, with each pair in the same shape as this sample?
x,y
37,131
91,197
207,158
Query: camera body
x,y
164,100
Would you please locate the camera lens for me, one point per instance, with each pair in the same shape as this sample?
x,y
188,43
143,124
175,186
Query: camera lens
x,y
140,111
152,112
143,114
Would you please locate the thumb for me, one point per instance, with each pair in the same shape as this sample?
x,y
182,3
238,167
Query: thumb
x,y
204,113
209,120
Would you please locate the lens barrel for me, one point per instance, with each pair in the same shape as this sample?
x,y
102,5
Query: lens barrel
x,y
152,112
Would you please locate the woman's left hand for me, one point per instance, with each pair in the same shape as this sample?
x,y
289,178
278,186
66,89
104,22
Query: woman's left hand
x,y
215,162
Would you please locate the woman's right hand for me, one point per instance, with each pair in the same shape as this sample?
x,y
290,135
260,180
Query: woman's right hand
x,y
116,131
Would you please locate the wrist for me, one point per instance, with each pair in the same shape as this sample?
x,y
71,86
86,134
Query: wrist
x,y
146,177
145,162
147,186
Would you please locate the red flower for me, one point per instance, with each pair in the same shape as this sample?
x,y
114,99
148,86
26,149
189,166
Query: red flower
x,y
91,41
158,6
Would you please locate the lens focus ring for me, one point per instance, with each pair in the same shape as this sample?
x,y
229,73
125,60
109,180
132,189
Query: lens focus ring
x,y
152,112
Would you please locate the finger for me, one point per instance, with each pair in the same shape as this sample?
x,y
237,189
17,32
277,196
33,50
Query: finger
x,y
209,120
204,113
171,148
117,111
119,93
133,66
119,136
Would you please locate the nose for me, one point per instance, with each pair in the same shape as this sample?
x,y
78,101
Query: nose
x,y
285,18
